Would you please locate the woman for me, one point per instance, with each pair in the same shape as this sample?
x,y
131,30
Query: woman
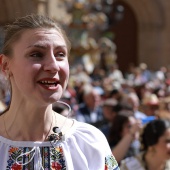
x,y
155,140
32,135
124,133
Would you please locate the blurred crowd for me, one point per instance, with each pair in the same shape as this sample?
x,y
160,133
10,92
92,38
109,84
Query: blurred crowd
x,y
122,106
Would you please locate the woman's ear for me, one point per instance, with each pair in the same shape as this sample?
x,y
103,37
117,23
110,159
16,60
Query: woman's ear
x,y
4,64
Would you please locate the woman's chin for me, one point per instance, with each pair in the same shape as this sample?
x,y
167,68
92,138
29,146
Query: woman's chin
x,y
50,100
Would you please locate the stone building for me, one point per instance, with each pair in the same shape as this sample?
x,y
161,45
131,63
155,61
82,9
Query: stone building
x,y
142,35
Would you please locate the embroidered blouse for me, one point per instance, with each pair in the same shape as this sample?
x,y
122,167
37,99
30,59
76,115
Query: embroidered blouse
x,y
84,148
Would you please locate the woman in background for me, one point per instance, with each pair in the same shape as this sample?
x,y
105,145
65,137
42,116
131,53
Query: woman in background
x,y
155,142
124,135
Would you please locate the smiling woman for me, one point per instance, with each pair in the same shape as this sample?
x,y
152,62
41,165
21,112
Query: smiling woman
x,y
32,135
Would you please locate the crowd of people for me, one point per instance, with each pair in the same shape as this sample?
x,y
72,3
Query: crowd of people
x,y
121,105
131,109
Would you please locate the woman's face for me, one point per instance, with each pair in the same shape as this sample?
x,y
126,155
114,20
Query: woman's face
x,y
108,113
128,125
163,145
39,66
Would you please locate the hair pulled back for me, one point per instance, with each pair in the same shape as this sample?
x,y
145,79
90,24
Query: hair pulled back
x,y
152,132
13,31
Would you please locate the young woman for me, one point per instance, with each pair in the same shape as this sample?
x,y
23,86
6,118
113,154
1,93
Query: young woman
x,y
33,136
155,142
124,135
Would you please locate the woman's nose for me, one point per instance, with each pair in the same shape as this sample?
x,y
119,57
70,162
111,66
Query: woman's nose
x,y
51,64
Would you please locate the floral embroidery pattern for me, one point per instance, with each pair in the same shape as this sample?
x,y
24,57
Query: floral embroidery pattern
x,y
14,153
111,163
58,162
52,158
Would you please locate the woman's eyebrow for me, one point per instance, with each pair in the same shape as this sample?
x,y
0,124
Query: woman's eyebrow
x,y
38,46
45,46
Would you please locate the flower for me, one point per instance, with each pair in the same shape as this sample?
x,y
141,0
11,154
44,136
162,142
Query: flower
x,y
16,167
56,166
106,168
13,150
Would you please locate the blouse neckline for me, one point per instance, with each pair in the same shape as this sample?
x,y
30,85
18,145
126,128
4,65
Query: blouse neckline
x,y
38,143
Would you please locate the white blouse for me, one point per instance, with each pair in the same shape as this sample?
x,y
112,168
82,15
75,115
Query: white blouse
x,y
84,148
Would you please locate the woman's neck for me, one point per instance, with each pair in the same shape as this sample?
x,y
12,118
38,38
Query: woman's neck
x,y
31,123
154,162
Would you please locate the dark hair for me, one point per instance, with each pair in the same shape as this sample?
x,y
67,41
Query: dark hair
x,y
117,126
14,30
152,132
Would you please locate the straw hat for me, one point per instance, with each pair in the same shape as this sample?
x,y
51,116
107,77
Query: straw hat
x,y
150,99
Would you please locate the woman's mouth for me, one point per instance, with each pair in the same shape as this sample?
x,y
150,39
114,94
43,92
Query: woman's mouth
x,y
49,84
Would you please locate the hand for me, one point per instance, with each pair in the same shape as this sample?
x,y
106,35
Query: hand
x,y
135,128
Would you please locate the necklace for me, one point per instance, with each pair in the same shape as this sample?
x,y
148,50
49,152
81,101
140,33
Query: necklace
x,y
46,136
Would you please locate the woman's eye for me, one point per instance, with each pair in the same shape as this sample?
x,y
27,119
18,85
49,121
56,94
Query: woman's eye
x,y
61,54
36,55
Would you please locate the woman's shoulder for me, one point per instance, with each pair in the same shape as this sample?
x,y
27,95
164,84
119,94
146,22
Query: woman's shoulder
x,y
86,139
83,134
132,163
85,130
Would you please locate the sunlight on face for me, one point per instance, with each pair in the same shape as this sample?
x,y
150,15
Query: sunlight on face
x,y
40,70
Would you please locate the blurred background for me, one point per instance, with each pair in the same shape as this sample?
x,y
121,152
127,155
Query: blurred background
x,y
119,63
137,30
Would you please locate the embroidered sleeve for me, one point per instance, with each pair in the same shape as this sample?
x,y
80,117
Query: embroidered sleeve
x,y
111,163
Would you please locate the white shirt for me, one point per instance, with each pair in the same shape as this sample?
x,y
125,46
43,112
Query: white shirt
x,y
84,148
